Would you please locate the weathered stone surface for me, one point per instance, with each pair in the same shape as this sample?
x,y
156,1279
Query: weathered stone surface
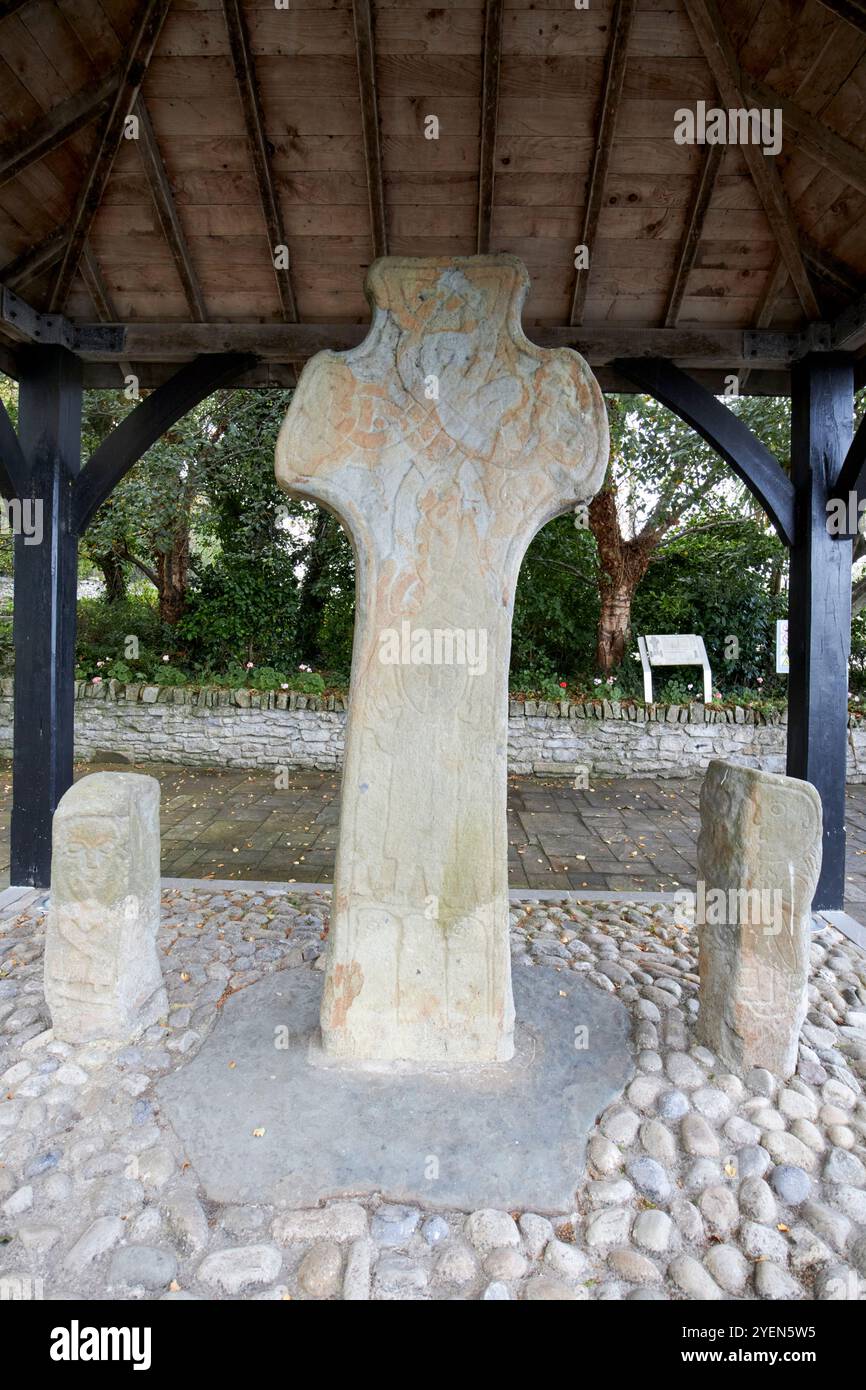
x,y
102,972
443,442
759,856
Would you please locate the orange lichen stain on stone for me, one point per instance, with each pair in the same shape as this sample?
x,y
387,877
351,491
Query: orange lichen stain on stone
x,y
345,986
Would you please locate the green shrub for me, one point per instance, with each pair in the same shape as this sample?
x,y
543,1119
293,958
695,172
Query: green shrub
x,y
169,675
242,610
267,678
306,683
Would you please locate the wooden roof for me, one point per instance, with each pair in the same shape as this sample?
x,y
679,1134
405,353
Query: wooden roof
x,y
305,127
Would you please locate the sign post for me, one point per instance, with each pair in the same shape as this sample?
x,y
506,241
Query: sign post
x,y
673,649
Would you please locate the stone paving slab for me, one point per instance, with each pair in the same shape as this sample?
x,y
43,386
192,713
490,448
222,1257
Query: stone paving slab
x,y
510,1136
637,834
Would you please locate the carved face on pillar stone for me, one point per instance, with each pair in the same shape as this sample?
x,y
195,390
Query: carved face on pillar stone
x,y
443,442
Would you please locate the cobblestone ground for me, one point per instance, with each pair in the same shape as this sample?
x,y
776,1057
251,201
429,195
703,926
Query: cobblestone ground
x,y
634,834
698,1185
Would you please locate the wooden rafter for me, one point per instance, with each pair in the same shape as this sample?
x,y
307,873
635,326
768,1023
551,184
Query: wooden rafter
x,y
10,7
621,23
150,22
55,127
366,59
813,137
776,282
828,267
489,109
717,48
848,332
96,286
694,226
852,10
166,211
99,292
248,88
33,261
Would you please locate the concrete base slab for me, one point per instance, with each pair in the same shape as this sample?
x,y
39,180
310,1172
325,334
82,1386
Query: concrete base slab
x,y
509,1135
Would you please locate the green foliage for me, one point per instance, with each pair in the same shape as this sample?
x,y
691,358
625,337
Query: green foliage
x,y
239,611
103,630
169,675
271,579
538,685
719,583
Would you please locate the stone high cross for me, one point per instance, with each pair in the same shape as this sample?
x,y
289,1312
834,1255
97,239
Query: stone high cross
x,y
442,443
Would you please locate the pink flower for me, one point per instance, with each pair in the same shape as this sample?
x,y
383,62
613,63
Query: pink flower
x,y
285,685
97,680
166,658
760,680
563,685
249,665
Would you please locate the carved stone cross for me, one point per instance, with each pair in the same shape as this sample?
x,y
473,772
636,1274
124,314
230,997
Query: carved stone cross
x,y
442,443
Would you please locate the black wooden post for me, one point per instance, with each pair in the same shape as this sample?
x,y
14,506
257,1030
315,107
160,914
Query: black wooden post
x,y
46,576
819,613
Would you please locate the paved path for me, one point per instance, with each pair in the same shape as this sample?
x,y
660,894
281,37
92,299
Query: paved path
x,y
636,834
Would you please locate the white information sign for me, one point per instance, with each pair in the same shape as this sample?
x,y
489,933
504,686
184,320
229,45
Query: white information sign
x,y
783,663
673,649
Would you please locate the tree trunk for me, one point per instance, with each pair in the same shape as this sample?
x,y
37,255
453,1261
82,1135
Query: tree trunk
x,y
172,568
614,626
622,564
113,575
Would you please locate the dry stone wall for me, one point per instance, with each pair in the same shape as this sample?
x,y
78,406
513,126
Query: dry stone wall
x,y
242,728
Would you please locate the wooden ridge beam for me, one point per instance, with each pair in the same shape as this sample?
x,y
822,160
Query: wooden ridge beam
x,y
492,60
248,90
365,53
152,14
144,425
694,228
55,127
713,37
167,213
621,24
724,431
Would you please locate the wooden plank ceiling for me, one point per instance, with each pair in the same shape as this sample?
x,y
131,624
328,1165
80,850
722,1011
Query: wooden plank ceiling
x,y
305,127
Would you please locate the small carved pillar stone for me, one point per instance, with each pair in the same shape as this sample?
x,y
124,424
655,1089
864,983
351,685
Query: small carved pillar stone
x,y
102,972
759,856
